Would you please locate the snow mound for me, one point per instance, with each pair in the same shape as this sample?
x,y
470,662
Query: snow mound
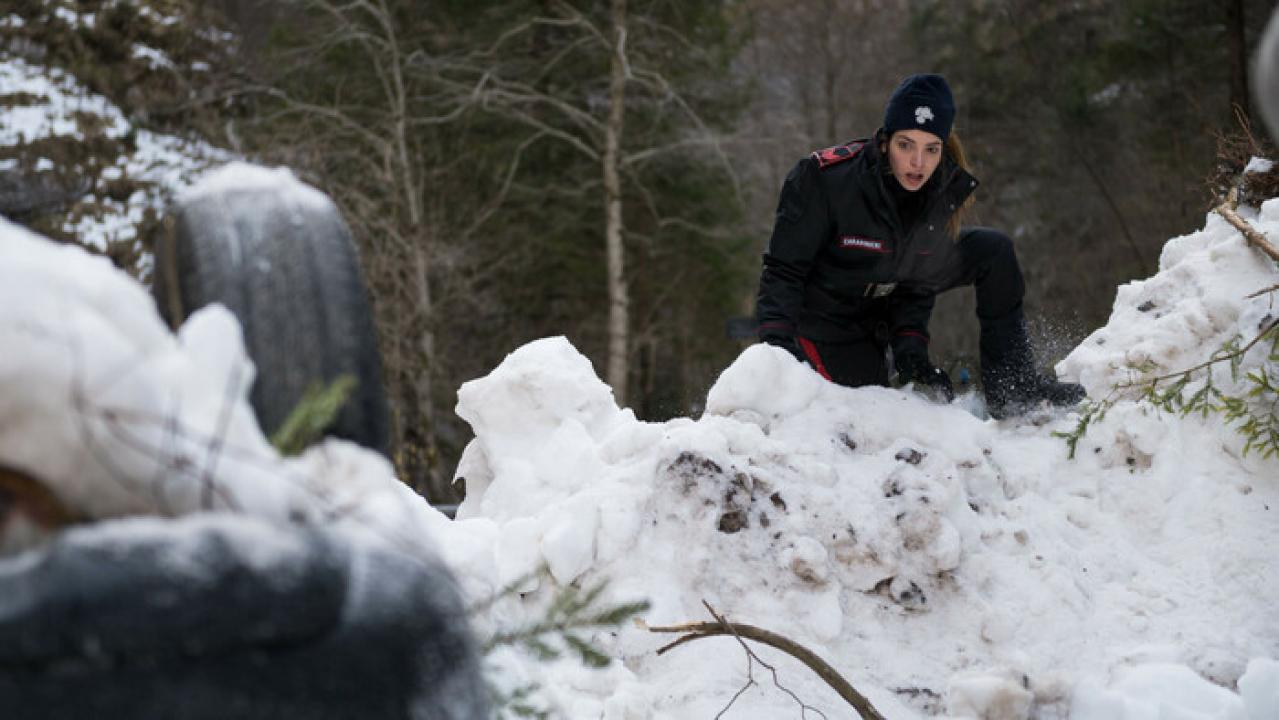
x,y
1194,305
944,564
940,561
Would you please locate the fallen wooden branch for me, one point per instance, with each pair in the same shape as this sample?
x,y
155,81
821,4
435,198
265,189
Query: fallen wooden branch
x,y
699,630
1250,233
1263,291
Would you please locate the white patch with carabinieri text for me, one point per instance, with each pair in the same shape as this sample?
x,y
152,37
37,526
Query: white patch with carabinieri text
x,y
863,243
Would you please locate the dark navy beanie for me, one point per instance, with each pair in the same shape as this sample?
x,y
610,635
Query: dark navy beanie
x,y
921,102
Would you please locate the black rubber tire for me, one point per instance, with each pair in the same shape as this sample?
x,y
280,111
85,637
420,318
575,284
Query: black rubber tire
x,y
286,267
189,619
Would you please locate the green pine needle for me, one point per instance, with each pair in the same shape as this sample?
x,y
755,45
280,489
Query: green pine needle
x,y
314,414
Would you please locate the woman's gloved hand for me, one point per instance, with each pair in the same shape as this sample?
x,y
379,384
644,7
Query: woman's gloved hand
x,y
932,380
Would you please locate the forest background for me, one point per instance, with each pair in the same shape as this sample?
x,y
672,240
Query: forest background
x,y
608,170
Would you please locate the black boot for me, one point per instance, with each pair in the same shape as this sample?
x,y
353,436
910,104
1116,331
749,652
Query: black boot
x,y
1009,379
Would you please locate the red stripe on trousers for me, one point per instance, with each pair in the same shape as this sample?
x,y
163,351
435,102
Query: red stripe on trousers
x,y
810,351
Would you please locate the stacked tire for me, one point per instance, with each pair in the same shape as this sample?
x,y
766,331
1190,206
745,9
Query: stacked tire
x,y
286,266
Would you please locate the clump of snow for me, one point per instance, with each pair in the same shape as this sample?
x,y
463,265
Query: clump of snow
x,y
1158,690
239,176
1258,165
989,696
154,58
73,18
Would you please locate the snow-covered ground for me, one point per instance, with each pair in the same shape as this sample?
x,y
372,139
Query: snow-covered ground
x,y
945,564
942,562
47,111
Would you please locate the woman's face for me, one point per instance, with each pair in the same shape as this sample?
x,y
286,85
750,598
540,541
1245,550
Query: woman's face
x,y
914,156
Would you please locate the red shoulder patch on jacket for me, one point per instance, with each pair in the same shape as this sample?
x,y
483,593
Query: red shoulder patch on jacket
x,y
838,154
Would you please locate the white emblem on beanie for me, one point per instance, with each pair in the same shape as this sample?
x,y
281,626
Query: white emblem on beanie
x,y
923,114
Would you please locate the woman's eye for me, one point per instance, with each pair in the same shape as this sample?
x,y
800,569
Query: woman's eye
x,y
934,150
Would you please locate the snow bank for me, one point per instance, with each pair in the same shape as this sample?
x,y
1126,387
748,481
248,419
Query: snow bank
x,y
1194,305
944,564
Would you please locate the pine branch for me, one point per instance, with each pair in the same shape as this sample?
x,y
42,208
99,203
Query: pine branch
x,y
1227,353
314,413
1257,422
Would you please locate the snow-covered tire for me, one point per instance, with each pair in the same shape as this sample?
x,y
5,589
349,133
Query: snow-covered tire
x,y
283,262
228,617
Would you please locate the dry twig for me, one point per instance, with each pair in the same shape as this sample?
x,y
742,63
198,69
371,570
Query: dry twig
x,y
721,626
1263,291
1250,233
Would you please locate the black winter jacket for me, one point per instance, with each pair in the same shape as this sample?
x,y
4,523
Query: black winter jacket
x,y
840,267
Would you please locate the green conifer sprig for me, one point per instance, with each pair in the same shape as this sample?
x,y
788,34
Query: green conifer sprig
x,y
1253,412
313,414
572,614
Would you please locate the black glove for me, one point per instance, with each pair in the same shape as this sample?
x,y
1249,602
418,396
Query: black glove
x,y
934,381
787,343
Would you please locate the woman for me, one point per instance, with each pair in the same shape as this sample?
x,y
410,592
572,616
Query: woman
x,y
867,234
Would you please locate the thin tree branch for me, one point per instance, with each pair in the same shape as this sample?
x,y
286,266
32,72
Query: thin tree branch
x,y
699,630
496,202
1207,363
332,113
1250,233
1263,291
1114,209
660,81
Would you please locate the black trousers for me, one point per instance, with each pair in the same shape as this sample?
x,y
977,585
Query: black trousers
x,y
987,261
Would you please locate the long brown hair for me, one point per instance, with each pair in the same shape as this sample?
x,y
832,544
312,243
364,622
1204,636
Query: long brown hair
x,y
955,151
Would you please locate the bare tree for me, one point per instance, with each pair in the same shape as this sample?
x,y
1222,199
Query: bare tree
x,y
619,299
555,99
356,137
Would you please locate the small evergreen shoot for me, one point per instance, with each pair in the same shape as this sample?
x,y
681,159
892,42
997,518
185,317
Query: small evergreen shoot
x,y
564,628
314,413
1253,410
572,611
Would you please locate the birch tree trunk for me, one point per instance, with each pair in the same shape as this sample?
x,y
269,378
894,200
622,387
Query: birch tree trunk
x,y
420,245
618,294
